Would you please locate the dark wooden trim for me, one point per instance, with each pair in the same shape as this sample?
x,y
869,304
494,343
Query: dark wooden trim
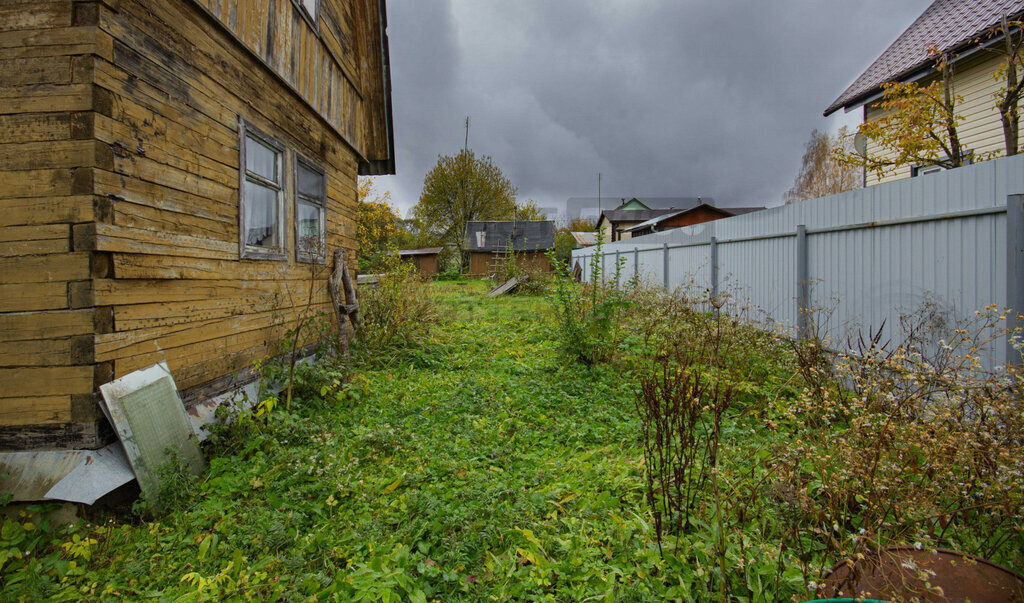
x,y
230,382
311,20
89,435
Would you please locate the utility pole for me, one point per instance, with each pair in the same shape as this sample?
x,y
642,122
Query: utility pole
x,y
462,195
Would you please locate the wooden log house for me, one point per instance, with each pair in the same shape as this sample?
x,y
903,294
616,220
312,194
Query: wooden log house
x,y
169,171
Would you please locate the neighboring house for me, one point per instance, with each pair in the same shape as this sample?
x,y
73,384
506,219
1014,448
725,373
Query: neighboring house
x,y
426,260
953,26
686,217
489,243
591,207
172,169
613,223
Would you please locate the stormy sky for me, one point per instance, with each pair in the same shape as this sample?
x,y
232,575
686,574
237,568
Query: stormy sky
x,y
664,97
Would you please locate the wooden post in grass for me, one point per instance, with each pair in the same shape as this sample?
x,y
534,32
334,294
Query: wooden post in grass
x,y
346,310
1014,272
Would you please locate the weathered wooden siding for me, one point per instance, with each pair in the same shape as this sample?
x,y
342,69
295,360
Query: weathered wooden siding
x,y
336,68
481,263
46,158
428,266
176,287
119,190
980,130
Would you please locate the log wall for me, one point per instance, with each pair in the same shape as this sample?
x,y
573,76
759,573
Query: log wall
x,y
46,154
119,151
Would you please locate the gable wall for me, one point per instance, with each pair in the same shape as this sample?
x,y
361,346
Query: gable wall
x,y
335,68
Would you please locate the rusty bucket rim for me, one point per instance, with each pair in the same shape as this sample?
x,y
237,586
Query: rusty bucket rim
x,y
906,547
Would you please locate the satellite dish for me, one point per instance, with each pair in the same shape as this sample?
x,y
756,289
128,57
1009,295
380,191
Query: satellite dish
x,y
860,143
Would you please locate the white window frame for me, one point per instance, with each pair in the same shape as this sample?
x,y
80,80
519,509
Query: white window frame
x,y
924,170
931,168
246,130
300,254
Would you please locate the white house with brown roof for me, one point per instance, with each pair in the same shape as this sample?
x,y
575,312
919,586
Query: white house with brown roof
x,y
960,28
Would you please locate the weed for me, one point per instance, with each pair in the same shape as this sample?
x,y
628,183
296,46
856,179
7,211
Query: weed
x,y
396,315
587,317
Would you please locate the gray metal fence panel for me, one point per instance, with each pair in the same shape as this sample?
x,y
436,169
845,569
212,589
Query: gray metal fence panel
x,y
872,254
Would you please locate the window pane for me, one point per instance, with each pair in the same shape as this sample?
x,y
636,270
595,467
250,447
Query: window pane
x,y
309,216
260,159
310,7
260,216
310,182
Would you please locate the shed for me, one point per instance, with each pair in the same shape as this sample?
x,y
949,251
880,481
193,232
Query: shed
x,y
426,260
488,243
173,175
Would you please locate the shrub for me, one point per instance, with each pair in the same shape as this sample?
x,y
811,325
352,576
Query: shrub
x,y
587,317
681,409
916,442
395,314
532,280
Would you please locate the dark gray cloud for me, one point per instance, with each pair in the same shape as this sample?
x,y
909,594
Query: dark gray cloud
x,y
665,98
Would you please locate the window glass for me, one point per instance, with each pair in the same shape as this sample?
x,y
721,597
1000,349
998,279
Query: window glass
x,y
310,181
309,220
260,159
310,212
260,215
310,6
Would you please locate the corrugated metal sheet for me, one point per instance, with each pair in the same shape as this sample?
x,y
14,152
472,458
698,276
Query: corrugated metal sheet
x,y
873,254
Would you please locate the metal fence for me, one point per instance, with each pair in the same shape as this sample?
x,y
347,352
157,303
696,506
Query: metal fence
x,y
859,259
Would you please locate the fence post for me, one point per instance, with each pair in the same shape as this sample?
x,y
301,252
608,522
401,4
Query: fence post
x,y
803,284
665,266
1014,271
618,255
714,267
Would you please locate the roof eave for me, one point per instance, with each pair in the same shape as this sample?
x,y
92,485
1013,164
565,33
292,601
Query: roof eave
x,y
383,167
915,73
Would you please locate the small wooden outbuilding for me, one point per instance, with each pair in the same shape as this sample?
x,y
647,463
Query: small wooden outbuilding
x,y
427,260
171,171
489,243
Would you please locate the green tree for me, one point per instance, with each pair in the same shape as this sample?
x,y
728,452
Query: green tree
x,y
377,232
529,211
582,225
1011,74
919,126
564,244
459,189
